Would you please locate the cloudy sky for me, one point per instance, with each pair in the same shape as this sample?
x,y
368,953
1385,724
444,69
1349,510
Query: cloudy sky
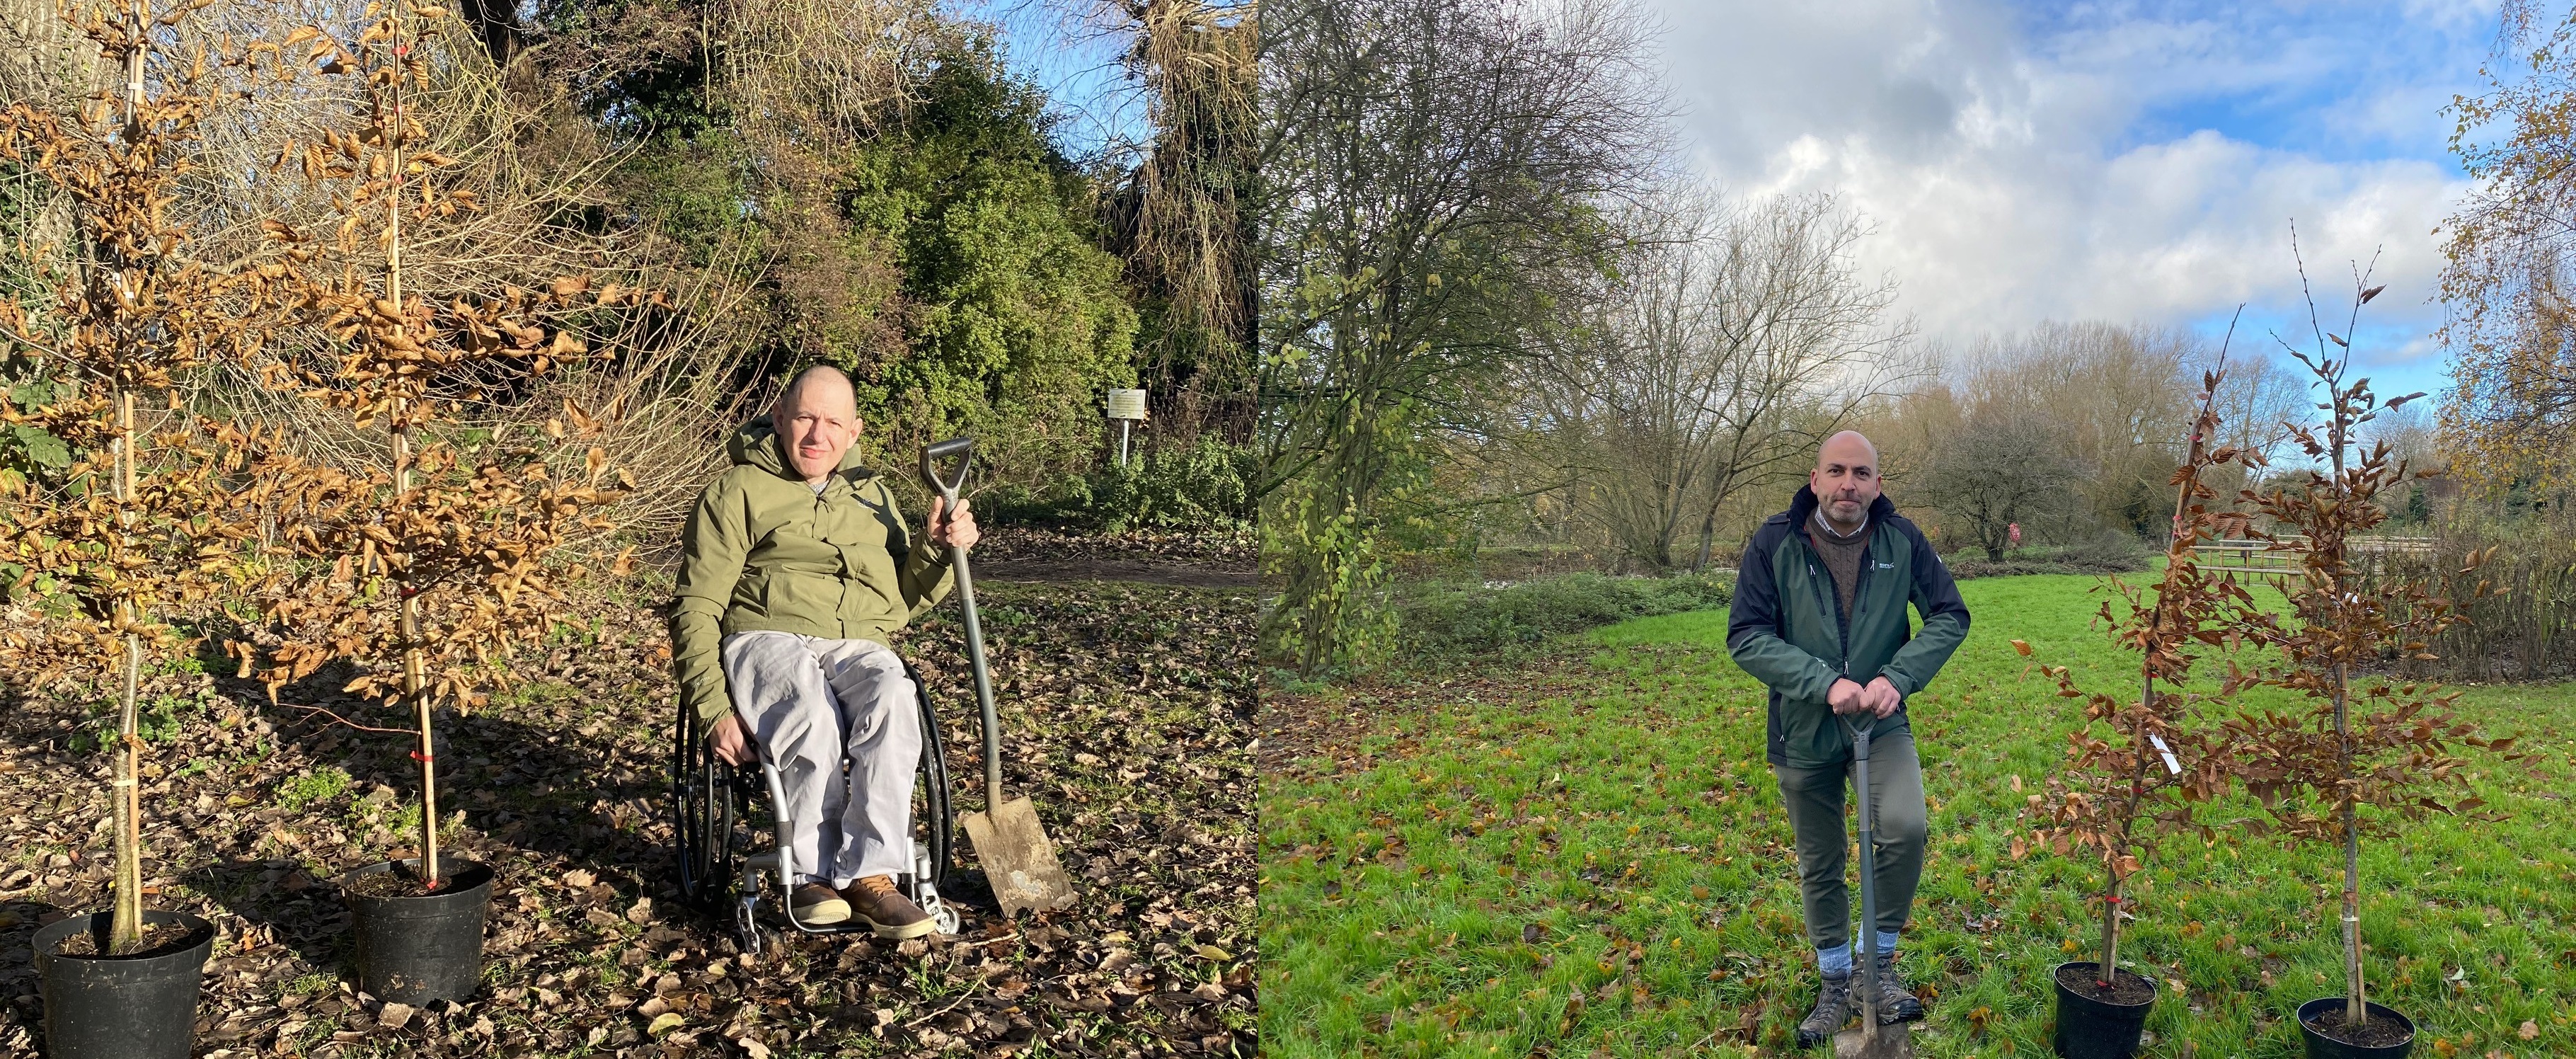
x,y
2121,161
2026,160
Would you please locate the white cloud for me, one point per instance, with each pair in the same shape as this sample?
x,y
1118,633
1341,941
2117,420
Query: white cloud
x,y
2097,161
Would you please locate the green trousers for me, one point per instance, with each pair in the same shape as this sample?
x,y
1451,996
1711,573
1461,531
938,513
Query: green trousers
x,y
1814,798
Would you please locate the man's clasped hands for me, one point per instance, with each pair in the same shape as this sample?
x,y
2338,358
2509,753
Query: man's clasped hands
x,y
1878,697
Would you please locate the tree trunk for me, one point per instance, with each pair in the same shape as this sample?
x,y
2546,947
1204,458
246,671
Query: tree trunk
x,y
2110,922
125,924
1707,541
2353,1009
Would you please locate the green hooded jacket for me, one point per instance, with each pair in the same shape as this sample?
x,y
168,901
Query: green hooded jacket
x,y
763,552
1787,627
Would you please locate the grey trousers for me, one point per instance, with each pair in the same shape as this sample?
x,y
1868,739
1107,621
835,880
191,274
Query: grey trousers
x,y
814,704
1814,798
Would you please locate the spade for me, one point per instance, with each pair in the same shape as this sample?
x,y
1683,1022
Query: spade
x,y
1019,862
1870,1040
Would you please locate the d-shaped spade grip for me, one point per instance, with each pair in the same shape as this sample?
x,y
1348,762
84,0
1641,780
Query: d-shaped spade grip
x,y
948,488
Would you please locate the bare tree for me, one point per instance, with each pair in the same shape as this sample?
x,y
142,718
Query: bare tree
x,y
2110,399
2255,397
1735,336
2006,464
1434,173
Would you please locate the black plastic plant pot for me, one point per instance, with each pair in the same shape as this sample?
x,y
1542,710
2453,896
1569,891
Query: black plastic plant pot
x,y
142,1006
418,947
2094,1028
2329,1010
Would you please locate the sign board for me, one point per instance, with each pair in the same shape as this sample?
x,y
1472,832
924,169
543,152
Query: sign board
x,y
1126,404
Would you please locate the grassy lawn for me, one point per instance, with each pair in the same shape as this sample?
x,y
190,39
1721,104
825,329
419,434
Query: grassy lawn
x,y
1588,857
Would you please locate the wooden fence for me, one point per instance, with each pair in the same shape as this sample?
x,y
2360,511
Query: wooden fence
x,y
2279,560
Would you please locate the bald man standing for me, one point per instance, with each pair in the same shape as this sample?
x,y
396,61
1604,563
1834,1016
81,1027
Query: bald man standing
x,y
1819,617
796,572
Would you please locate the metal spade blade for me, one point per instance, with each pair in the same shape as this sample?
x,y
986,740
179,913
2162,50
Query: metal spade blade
x,y
1018,860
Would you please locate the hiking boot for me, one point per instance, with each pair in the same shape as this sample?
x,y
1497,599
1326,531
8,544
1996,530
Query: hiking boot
x,y
1896,1001
817,905
1833,1008
881,906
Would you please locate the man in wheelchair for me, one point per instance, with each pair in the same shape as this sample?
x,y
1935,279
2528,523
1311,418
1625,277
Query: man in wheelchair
x,y
796,572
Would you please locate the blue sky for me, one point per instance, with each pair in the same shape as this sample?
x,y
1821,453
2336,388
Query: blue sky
x,y
1073,61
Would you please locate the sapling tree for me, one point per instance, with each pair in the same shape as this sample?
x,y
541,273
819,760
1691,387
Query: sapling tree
x,y
2121,793
133,522
2367,740
426,560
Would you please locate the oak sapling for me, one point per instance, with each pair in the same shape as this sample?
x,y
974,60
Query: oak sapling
x,y
426,561
2367,740
143,517
2123,791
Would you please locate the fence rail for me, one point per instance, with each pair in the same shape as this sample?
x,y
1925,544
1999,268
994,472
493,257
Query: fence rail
x,y
2278,559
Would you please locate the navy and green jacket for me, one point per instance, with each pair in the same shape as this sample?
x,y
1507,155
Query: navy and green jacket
x,y
1787,627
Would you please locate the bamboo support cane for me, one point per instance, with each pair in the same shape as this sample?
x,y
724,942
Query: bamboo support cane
x,y
415,677
125,923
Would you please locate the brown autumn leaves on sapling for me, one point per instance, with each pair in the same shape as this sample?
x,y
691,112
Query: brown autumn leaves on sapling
x,y
428,560
144,516
2367,739
2121,793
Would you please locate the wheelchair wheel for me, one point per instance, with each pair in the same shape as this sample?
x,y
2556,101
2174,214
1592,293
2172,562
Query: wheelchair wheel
x,y
932,819
707,797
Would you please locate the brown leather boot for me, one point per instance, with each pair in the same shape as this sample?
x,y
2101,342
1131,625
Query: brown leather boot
x,y
817,905
877,903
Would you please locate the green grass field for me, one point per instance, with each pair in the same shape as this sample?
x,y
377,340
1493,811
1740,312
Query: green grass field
x,y
1586,856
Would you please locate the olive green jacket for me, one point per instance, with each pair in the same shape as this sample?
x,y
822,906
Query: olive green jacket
x,y
763,552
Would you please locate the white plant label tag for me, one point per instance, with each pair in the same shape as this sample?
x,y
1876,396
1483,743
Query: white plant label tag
x,y
2171,765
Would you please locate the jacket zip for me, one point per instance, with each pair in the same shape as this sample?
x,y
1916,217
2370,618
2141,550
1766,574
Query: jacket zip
x,y
1860,593
1824,598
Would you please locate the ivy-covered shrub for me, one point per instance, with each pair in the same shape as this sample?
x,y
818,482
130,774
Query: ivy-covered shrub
x,y
948,258
1015,321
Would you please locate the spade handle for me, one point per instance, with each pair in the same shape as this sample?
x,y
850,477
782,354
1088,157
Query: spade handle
x,y
948,486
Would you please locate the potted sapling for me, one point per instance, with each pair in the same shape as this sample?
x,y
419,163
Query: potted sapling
x,y
2126,788
130,517
2370,750
427,560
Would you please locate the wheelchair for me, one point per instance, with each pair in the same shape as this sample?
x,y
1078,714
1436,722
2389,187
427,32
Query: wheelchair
x,y
721,811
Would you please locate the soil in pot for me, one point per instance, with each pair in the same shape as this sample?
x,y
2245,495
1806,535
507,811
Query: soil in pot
x,y
2096,1020
2127,989
158,939
402,881
2375,1031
